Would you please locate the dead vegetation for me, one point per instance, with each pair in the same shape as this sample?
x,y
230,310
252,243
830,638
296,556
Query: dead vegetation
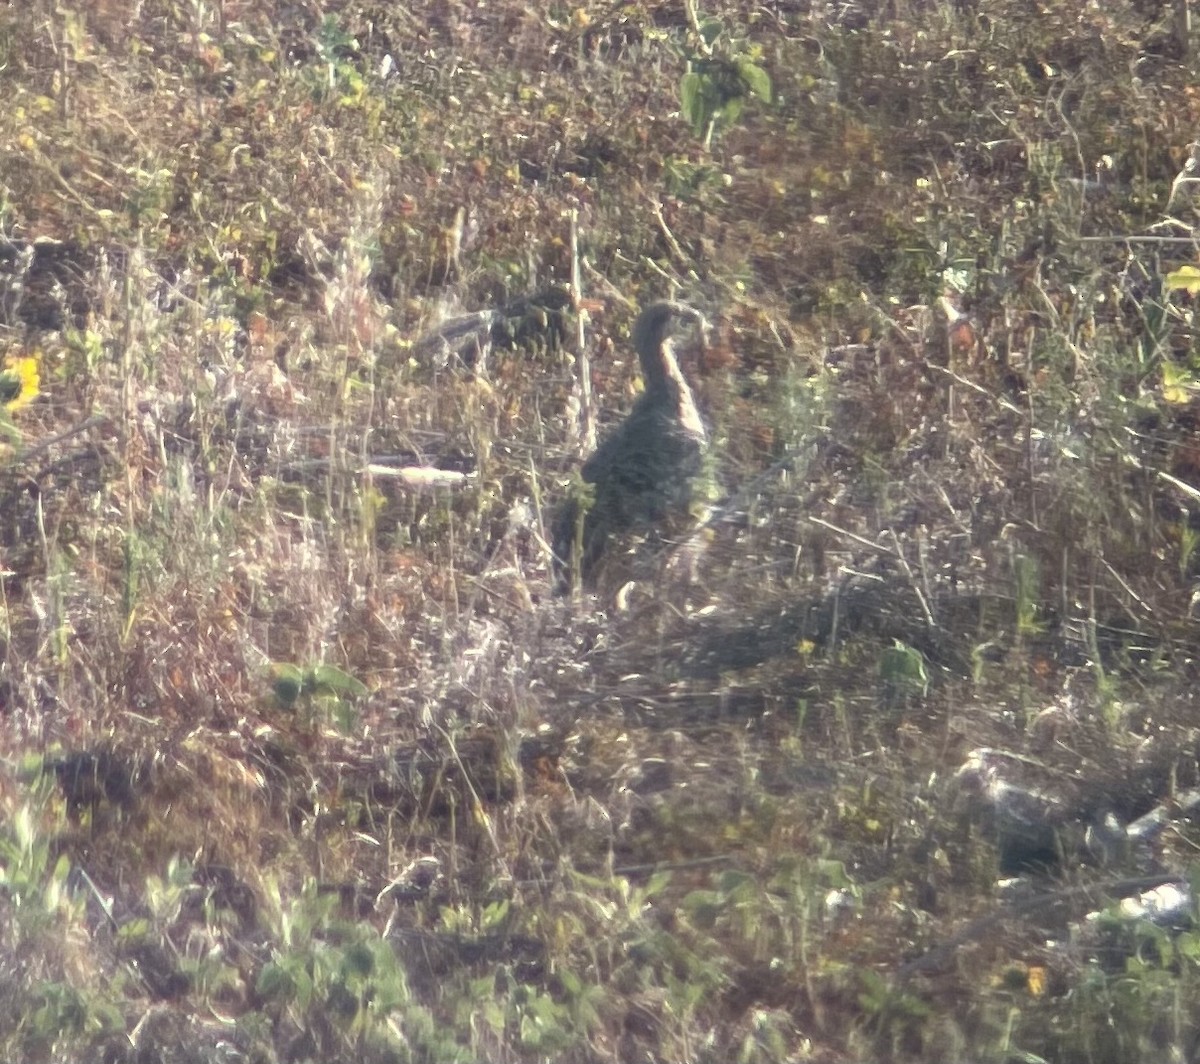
x,y
304,760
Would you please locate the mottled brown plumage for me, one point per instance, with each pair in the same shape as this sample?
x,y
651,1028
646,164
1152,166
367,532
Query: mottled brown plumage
x,y
644,472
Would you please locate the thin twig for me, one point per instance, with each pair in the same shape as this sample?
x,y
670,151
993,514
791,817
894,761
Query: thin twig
x,y
912,580
959,379
96,421
1125,587
587,409
1134,239
1175,482
878,547
672,243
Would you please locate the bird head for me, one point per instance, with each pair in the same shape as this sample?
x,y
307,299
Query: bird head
x,y
652,333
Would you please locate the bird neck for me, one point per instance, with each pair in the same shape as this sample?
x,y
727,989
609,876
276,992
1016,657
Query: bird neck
x,y
666,386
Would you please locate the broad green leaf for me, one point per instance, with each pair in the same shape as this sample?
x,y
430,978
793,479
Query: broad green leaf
x,y
711,29
691,100
904,666
757,80
287,681
1179,386
1186,278
328,679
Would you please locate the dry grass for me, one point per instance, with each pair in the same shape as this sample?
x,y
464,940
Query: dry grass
x,y
709,819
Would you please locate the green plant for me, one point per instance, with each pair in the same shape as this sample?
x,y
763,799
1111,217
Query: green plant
x,y
43,915
62,1015
319,689
345,984
1189,539
33,879
903,673
337,50
1027,586
893,1013
722,74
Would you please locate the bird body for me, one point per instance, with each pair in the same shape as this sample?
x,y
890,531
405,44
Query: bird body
x,y
645,471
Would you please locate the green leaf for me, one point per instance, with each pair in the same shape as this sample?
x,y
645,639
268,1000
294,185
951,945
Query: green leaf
x,y
134,931
358,960
757,80
10,387
1178,384
903,666
658,883
494,915
733,879
704,906
692,103
833,873
327,679
1186,278
732,110
710,29
287,681
274,981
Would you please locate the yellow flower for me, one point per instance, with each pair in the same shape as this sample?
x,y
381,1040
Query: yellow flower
x,y
1036,980
19,382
